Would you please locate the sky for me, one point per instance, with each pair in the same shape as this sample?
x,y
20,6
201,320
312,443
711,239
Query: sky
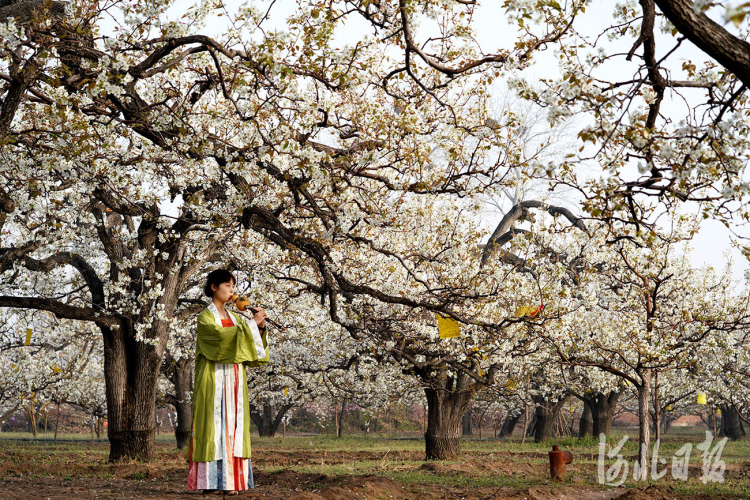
x,y
713,244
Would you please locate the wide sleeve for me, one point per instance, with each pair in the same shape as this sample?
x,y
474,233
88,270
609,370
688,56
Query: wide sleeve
x,y
247,348
264,340
214,343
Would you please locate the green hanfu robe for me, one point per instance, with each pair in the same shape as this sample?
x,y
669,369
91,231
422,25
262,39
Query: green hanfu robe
x,y
227,345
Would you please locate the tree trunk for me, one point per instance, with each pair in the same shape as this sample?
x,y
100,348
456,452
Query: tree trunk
x,y
731,423
546,416
340,419
602,411
180,373
644,425
263,419
57,421
529,422
131,369
466,424
713,419
543,427
509,425
586,425
656,413
445,409
29,409
268,419
667,423
707,419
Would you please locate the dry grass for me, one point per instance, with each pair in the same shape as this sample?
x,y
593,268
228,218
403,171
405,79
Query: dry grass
x,y
357,467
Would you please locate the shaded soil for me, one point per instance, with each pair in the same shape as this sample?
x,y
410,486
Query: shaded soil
x,y
287,484
297,486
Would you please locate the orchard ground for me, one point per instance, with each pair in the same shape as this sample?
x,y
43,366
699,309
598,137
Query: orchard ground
x,y
316,467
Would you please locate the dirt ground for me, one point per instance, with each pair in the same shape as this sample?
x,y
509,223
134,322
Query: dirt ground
x,y
288,484
77,472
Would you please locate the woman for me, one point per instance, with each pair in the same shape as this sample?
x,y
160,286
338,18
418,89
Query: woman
x,y
226,344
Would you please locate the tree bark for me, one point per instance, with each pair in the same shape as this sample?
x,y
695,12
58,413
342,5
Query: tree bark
x,y
656,412
644,424
546,416
543,426
529,422
444,412
466,424
184,406
340,419
57,421
731,423
268,418
509,425
32,420
586,425
263,419
180,373
667,423
602,411
131,370
731,52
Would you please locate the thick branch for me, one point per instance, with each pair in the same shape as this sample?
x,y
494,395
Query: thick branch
x,y
88,273
7,204
59,309
413,47
730,51
26,10
141,70
501,234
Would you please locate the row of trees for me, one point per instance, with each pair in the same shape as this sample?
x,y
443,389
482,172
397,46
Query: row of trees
x,y
347,178
620,320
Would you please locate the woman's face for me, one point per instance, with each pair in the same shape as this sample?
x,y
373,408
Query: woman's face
x,y
223,292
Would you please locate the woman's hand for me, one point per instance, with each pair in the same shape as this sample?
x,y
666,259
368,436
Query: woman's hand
x,y
260,317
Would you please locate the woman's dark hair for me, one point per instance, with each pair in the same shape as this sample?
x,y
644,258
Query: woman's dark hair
x,y
217,277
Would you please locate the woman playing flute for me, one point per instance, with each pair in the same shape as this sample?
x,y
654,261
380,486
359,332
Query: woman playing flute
x,y
219,456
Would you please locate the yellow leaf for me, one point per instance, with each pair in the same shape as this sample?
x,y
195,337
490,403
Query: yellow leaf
x,y
448,327
529,311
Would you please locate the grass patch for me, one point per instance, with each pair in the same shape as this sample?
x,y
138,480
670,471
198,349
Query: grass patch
x,y
323,461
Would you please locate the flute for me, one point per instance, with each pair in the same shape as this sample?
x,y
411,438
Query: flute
x,y
243,303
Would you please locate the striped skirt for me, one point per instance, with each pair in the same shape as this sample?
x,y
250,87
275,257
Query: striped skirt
x,y
227,472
